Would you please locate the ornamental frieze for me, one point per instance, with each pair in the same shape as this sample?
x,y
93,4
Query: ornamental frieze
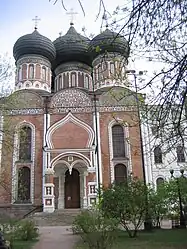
x,y
70,98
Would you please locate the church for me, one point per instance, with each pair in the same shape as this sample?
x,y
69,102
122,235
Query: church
x,y
71,125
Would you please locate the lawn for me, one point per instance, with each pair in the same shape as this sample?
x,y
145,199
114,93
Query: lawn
x,y
161,239
23,244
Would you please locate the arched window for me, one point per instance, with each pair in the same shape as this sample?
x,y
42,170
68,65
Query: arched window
x,y
158,154
56,85
86,82
159,181
73,80
25,140
180,154
44,73
24,185
112,68
20,73
31,71
118,141
120,173
60,82
100,72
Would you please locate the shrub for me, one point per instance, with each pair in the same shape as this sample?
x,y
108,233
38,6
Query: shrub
x,y
26,230
96,231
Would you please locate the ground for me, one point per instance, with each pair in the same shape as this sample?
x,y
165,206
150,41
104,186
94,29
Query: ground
x,y
162,239
56,238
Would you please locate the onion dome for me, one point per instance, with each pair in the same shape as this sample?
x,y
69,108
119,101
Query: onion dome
x,y
34,43
109,41
72,47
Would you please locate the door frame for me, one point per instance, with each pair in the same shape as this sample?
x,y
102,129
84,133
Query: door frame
x,y
78,182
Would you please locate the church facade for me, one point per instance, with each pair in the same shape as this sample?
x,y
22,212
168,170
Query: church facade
x,y
71,124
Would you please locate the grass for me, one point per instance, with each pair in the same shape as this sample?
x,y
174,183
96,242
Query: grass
x,y
23,244
158,239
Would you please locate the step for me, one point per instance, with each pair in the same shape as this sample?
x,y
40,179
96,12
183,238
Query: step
x,y
61,217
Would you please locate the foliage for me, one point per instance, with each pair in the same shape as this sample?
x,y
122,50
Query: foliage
x,y
159,203
97,231
26,231
127,203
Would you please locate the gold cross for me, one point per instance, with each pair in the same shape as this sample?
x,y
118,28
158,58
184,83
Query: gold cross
x,y
72,14
36,20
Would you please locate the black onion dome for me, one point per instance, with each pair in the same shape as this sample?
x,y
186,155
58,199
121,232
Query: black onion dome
x,y
72,47
109,41
34,43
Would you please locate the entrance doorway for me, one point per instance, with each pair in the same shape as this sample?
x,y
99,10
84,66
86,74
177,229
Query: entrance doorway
x,y
72,189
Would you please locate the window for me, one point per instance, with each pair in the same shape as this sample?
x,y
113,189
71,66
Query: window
x,y
86,82
60,82
20,74
25,143
158,154
100,73
112,68
31,71
159,181
118,141
73,80
44,74
120,172
180,154
23,184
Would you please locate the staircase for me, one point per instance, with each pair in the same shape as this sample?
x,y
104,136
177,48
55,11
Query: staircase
x,y
64,217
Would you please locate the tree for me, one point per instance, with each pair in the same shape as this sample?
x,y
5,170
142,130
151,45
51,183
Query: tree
x,y
159,203
126,202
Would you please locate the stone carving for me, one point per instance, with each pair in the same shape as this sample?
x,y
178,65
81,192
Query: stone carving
x,y
70,98
27,111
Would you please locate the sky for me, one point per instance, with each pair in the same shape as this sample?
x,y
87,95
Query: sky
x,y
16,20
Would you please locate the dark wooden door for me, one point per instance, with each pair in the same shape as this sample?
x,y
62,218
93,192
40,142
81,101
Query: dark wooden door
x,y
72,189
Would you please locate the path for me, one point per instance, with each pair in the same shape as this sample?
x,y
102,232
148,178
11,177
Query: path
x,y
59,237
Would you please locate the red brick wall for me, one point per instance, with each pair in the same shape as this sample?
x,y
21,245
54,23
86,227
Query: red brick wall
x,y
37,121
71,135
105,119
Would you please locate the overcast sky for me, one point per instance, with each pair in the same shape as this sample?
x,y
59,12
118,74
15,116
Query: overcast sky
x,y
16,20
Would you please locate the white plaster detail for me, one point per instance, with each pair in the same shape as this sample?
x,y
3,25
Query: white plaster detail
x,y
83,157
16,157
69,118
127,147
71,98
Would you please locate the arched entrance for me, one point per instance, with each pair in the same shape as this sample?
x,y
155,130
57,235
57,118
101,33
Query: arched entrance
x,y
72,189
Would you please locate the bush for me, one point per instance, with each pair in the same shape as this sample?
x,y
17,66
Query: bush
x,y
26,231
96,231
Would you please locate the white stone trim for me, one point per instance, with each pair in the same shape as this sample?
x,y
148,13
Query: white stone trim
x,y
99,148
72,153
16,157
69,117
127,146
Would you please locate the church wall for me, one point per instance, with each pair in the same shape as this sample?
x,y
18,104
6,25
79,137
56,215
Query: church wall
x,y
105,119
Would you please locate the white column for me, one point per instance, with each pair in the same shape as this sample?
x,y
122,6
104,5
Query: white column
x,y
99,148
61,192
94,153
85,198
